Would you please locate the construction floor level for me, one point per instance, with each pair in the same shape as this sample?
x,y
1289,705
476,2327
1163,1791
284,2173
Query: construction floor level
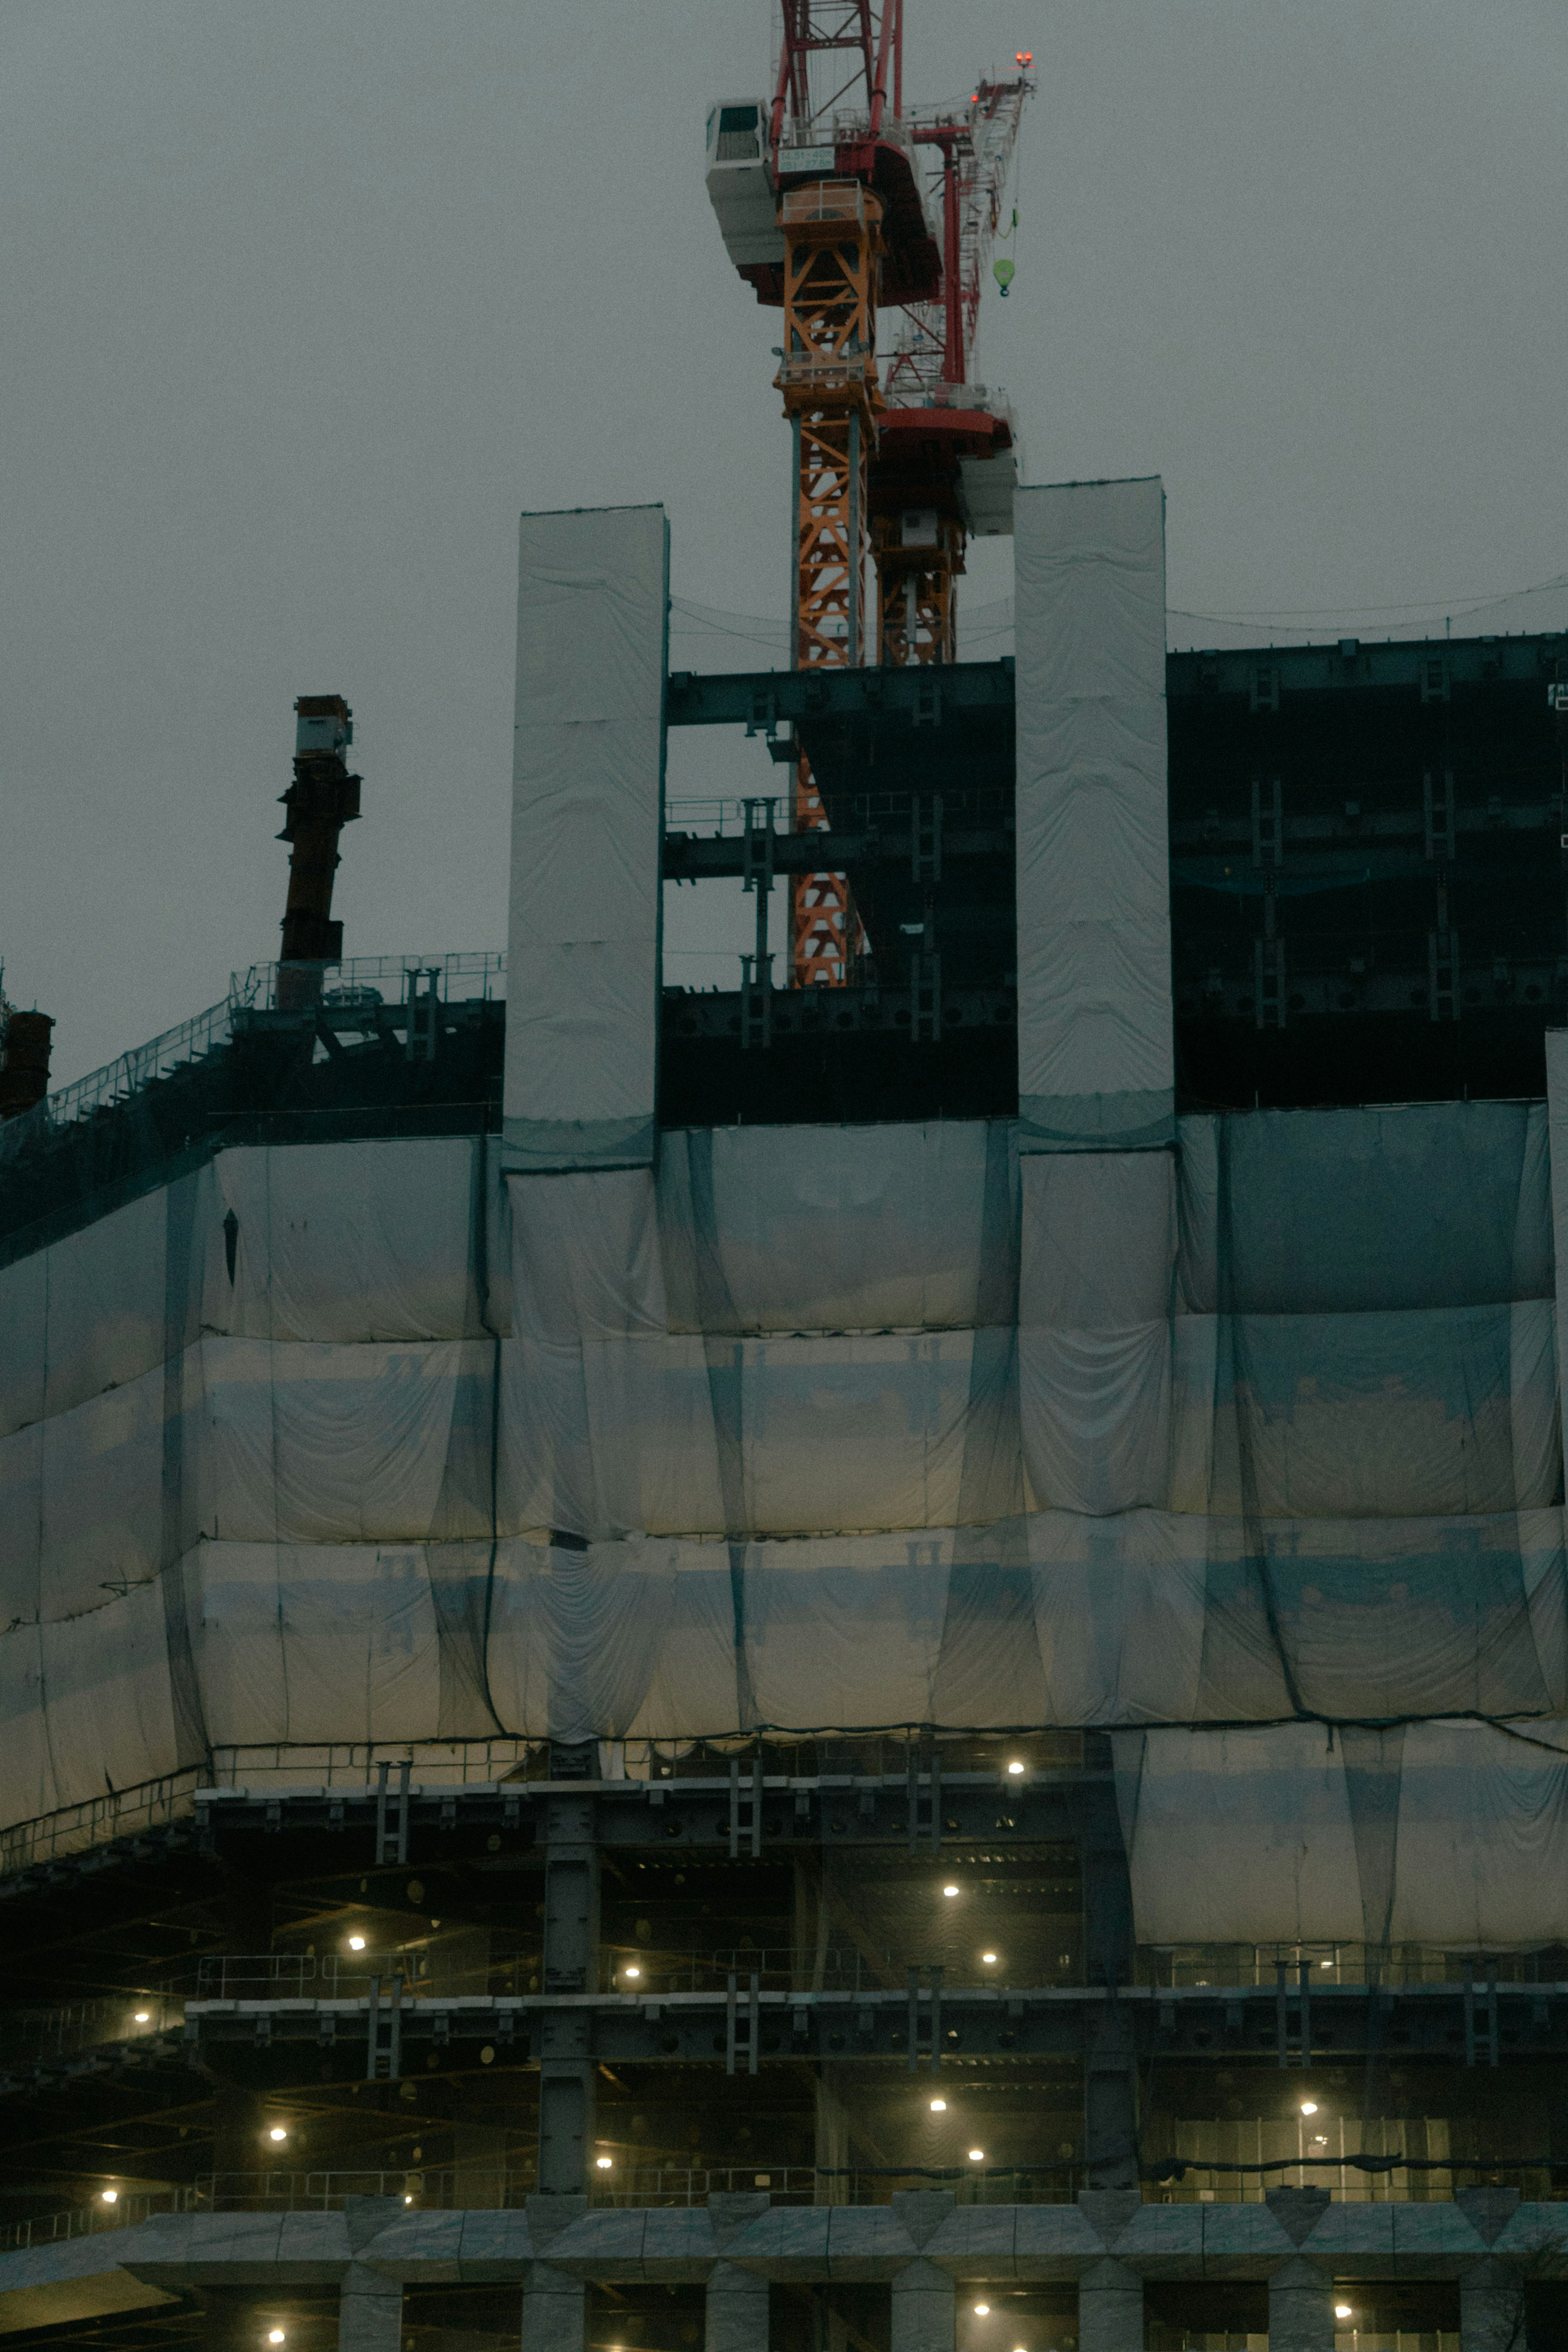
x,y
881,1665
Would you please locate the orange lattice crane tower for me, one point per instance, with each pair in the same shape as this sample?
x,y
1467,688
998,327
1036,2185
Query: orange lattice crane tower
x,y
819,198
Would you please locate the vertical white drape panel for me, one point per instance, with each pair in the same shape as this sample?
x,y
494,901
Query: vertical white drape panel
x,y
588,824
807,1428
1095,1054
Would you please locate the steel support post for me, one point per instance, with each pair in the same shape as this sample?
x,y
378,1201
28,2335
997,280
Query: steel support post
x,y
1110,2062
570,1965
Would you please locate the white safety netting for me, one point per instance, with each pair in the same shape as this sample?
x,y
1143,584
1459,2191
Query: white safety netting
x,y
1450,1833
804,1428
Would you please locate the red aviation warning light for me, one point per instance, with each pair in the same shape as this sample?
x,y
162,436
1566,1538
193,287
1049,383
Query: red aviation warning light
x,y
1023,56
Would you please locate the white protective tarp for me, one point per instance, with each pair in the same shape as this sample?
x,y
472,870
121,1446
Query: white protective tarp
x,y
582,958
1152,1619
86,1705
1451,1834
839,1228
378,1240
806,1429
786,1338
1096,1050
315,1641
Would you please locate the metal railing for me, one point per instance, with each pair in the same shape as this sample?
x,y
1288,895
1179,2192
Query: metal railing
x,y
366,979
494,2188
117,2209
720,818
131,1074
444,1968
33,2037
75,1828
823,200
682,2184
374,981
614,2182
1256,1966
825,369
351,1765
847,1968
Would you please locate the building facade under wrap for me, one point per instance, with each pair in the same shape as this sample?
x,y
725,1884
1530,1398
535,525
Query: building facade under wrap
x,y
977,1673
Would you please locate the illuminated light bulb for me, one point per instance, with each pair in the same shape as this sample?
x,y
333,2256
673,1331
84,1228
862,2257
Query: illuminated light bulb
x,y
408,2201
278,2132
111,2196
1320,2141
1309,2106
938,2106
604,2162
276,2335
1015,1769
949,1890
981,2309
356,1943
1325,1964
988,1960
631,1972
142,2016
1342,2311
977,2156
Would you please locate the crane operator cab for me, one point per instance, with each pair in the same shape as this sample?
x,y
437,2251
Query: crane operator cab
x,y
741,183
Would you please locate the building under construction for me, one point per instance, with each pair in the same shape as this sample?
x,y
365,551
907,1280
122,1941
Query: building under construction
x,y
876,1661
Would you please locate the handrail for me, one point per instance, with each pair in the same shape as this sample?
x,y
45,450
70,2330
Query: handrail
x,y
458,977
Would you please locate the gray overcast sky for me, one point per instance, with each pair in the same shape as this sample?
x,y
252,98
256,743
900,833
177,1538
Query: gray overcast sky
x,y
306,298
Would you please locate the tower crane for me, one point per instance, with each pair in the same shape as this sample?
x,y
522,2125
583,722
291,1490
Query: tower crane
x,y
822,200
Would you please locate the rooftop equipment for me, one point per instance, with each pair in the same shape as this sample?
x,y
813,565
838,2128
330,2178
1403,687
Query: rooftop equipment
x,y
322,799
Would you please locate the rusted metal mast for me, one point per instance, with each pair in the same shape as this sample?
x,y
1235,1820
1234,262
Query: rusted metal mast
x,y
322,799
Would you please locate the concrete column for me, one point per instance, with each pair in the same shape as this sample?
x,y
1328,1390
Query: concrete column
x,y
555,2311
1491,2307
925,2309
570,1965
370,2312
737,2311
1111,2309
1300,2308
